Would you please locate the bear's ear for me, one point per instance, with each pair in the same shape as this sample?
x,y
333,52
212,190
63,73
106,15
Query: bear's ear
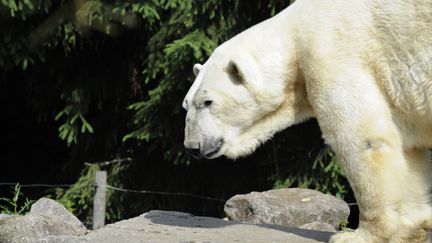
x,y
196,69
234,71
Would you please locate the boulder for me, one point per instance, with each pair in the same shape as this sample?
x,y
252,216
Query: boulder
x,y
51,208
46,217
291,207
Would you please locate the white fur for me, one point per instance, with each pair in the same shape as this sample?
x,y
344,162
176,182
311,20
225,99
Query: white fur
x,y
363,68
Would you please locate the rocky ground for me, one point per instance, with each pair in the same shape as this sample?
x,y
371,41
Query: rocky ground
x,y
257,217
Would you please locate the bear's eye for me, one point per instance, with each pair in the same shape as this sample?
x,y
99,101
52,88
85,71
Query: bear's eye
x,y
207,103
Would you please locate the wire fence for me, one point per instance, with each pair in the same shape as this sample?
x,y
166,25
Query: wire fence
x,y
34,185
185,194
101,186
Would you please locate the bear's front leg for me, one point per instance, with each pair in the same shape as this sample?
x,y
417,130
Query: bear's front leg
x,y
391,185
393,199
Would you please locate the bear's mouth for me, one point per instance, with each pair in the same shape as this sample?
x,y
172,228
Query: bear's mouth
x,y
214,152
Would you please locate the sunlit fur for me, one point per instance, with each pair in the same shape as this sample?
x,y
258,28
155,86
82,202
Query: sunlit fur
x,y
248,113
363,69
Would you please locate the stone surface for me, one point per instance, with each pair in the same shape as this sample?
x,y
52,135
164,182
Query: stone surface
x,y
49,207
49,222
165,226
62,239
291,207
320,226
6,216
46,218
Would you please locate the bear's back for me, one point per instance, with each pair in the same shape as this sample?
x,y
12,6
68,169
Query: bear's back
x,y
403,30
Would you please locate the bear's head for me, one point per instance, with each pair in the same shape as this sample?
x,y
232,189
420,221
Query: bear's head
x,y
239,99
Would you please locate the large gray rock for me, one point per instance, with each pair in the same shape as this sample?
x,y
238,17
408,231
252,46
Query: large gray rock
x,y
291,207
47,217
164,226
49,207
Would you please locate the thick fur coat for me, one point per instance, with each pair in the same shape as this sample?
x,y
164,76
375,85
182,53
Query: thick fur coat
x,y
363,69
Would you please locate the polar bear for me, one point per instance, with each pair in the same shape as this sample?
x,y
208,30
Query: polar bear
x,y
363,69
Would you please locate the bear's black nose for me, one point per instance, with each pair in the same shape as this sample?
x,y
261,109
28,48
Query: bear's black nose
x,y
195,152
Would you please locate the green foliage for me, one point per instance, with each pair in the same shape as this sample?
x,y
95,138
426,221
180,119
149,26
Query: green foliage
x,y
13,7
116,201
73,113
326,176
17,204
79,198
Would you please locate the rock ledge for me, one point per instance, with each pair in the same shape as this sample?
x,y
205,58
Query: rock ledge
x,y
49,222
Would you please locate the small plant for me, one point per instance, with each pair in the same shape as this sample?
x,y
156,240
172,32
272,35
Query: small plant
x,y
325,176
78,198
13,205
343,226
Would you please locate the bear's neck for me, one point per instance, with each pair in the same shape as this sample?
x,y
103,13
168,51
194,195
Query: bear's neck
x,y
272,41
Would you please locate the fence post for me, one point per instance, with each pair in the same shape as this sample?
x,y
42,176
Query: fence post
x,y
99,200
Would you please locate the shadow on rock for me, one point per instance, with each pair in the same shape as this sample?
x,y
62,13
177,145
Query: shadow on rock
x,y
179,219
